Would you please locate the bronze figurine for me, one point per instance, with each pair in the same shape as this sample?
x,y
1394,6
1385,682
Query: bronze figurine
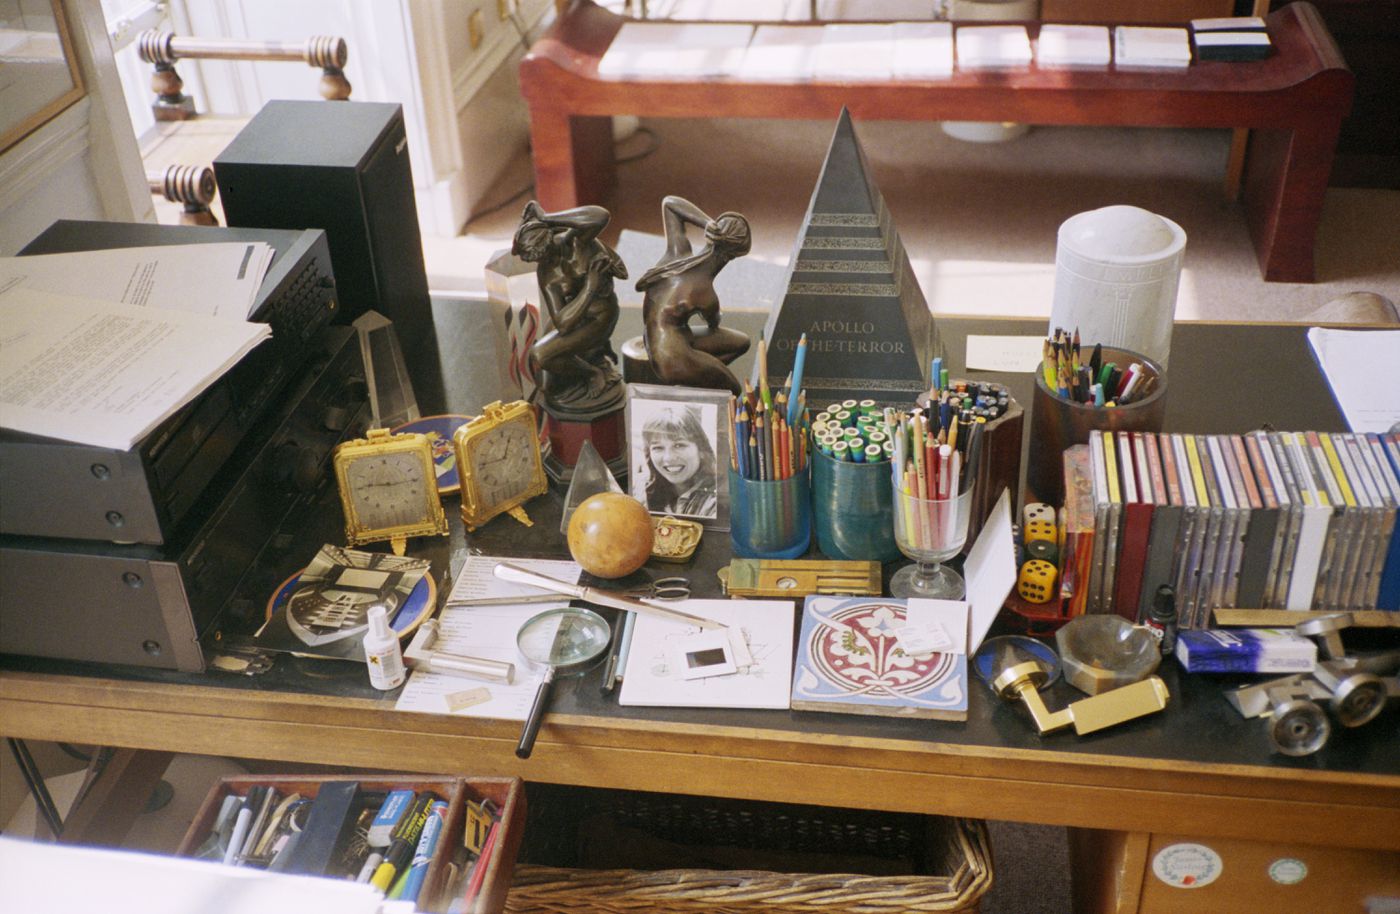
x,y
682,285
575,271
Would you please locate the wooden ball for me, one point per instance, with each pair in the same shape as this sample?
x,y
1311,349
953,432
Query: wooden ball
x,y
610,535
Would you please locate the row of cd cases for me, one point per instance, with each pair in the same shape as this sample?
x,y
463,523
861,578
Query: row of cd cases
x,y
1280,520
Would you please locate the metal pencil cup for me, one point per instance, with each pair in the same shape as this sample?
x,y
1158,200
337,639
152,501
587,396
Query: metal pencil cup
x,y
853,508
770,519
1058,424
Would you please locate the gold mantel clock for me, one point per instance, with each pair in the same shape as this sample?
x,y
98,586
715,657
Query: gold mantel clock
x,y
498,457
388,489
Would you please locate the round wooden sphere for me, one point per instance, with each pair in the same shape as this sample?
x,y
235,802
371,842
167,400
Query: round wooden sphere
x,y
610,535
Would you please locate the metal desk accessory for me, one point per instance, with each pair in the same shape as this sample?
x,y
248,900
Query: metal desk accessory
x,y
799,578
421,656
1354,689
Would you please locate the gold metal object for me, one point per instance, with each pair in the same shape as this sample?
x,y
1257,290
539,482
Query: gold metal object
x,y
388,489
800,577
498,458
1087,715
675,540
1287,618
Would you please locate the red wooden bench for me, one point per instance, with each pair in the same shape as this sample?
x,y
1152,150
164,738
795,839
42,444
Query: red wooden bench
x,y
1294,103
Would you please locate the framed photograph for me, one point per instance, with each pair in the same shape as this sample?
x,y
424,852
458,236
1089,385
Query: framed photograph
x,y
39,75
678,452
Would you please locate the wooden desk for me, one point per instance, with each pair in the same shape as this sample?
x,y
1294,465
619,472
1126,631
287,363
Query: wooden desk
x,y
1294,101
1197,769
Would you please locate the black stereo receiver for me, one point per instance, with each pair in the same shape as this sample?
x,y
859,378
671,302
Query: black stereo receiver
x,y
62,489
151,605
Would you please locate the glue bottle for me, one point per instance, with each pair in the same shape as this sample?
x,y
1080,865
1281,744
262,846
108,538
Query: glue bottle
x,y
1162,618
382,651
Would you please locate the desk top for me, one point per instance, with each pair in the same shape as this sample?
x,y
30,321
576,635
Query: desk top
x,y
1197,768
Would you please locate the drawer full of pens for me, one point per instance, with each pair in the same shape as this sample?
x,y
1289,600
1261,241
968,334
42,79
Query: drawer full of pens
x,y
444,843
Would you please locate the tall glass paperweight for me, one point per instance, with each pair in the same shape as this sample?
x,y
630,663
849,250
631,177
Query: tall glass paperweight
x,y
591,476
391,399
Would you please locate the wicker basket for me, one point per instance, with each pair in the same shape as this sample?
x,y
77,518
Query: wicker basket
x,y
925,863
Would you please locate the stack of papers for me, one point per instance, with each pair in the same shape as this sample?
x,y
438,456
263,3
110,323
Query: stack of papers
x,y
855,52
984,47
100,347
645,50
1360,368
868,10
1073,46
488,632
1150,46
922,50
780,52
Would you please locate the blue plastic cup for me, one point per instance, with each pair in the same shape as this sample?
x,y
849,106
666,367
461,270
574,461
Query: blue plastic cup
x,y
854,509
772,519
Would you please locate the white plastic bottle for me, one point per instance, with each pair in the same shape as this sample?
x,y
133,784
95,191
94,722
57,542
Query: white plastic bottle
x,y
382,651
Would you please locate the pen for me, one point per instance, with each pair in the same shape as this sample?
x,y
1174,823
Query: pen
x,y
401,848
240,832
423,854
615,657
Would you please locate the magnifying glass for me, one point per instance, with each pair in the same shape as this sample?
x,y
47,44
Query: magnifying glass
x,y
561,641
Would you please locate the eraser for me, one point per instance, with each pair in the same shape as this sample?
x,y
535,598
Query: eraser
x,y
381,830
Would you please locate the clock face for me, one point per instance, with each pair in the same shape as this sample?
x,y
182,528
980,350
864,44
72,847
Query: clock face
x,y
389,490
503,463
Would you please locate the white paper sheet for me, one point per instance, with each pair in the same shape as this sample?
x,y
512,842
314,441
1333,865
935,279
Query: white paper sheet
x,y
858,51
767,627
679,49
934,625
104,373
1073,46
780,52
1004,353
39,876
219,280
990,571
982,47
488,632
922,50
1363,369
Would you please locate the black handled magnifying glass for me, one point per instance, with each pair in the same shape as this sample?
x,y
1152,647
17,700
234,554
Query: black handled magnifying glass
x,y
562,641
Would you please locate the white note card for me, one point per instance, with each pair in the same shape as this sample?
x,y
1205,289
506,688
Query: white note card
x,y
1361,367
1020,354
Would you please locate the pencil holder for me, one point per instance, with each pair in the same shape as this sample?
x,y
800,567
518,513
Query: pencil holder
x,y
930,531
770,519
853,509
1058,424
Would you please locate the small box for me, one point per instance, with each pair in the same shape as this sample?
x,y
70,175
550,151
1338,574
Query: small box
x,y
1245,650
507,794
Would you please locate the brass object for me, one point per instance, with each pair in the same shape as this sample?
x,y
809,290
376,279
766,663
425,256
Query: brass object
x,y
800,578
388,489
1290,618
675,540
1088,715
498,459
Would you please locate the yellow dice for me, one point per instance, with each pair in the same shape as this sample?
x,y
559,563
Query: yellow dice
x,y
1036,583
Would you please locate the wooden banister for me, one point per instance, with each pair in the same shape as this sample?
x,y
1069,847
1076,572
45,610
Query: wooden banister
x,y
191,185
163,49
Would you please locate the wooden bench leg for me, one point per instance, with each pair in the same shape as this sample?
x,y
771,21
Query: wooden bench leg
x,y
1285,181
573,159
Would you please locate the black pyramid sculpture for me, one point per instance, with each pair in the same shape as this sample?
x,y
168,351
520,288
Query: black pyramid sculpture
x,y
851,289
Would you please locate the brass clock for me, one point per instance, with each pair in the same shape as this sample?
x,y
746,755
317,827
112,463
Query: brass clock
x,y
498,457
388,489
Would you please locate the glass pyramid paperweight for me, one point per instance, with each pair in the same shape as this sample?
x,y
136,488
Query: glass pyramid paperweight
x,y
391,399
591,476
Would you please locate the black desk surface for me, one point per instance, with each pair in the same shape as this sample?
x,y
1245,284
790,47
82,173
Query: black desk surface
x,y
1224,378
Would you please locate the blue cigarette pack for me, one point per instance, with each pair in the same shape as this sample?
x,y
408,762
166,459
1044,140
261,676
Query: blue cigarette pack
x,y
1245,650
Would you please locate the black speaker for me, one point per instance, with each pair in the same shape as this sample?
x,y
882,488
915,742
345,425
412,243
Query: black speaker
x,y
343,167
